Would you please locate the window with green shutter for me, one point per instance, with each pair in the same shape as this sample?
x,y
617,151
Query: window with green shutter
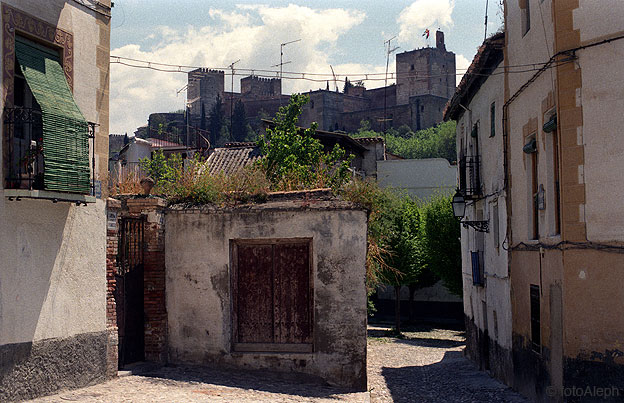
x,y
62,151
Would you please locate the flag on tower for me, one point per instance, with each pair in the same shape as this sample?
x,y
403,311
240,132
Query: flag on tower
x,y
426,33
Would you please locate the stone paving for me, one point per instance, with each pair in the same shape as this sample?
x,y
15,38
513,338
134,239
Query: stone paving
x,y
426,365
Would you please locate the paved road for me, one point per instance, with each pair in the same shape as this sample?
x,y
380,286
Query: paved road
x,y
425,366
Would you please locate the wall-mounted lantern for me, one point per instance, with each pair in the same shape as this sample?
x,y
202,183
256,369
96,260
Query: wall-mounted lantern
x,y
551,125
530,147
459,210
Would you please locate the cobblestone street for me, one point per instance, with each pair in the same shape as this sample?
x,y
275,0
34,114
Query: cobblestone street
x,y
425,366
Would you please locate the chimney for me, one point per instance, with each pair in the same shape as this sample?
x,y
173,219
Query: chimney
x,y
440,40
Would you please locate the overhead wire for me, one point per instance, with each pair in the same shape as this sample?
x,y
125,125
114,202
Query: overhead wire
x,y
311,76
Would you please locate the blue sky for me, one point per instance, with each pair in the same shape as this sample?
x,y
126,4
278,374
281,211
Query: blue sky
x,y
348,35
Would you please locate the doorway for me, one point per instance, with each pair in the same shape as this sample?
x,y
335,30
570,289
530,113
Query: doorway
x,y
129,291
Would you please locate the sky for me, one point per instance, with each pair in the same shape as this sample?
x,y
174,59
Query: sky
x,y
346,35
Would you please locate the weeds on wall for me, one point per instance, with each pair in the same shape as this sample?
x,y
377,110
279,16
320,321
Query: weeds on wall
x,y
292,159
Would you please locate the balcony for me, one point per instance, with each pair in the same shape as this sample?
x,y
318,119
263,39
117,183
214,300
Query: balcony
x,y
29,171
470,177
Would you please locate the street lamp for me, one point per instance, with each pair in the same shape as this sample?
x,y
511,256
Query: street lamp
x,y
459,210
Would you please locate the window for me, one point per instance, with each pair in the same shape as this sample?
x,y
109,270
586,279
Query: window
x,y
48,135
535,318
534,194
493,119
495,224
525,11
476,258
272,298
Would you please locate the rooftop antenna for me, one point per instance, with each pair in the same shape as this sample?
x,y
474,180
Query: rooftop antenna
x,y
486,15
181,89
282,63
231,67
335,80
388,53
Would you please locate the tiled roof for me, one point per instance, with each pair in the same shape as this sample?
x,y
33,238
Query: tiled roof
x,y
368,140
229,160
483,64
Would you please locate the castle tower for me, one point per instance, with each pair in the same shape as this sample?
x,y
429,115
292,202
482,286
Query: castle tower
x,y
253,87
203,87
425,71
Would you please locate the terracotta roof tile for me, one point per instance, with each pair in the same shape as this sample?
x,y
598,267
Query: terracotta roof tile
x,y
230,160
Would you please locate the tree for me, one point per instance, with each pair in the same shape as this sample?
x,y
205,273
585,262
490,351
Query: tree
x,y
239,122
216,121
434,142
403,255
347,85
293,159
441,244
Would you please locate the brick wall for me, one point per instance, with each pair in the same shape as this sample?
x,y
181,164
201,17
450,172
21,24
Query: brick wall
x,y
112,210
155,319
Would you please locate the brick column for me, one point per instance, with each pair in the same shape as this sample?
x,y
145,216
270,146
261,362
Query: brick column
x,y
154,275
113,208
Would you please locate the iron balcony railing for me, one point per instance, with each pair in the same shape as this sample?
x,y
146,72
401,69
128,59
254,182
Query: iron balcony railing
x,y
470,176
23,133
24,159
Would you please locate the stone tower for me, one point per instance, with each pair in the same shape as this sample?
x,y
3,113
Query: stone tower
x,y
425,71
203,86
259,88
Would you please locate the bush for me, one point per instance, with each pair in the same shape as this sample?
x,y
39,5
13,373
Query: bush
x,y
292,159
441,242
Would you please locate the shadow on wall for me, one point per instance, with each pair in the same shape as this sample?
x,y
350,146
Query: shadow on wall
x,y
452,379
31,241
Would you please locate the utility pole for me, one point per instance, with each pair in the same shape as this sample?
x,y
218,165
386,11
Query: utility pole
x,y
388,52
231,66
282,63
486,15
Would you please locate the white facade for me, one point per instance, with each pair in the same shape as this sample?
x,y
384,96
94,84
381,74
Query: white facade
x,y
488,306
53,255
603,103
420,178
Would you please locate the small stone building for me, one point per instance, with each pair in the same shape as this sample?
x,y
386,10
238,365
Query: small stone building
x,y
278,285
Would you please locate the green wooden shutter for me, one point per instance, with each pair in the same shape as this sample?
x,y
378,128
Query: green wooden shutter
x,y
65,130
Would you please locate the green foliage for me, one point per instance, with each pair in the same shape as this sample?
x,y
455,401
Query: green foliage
x,y
216,121
441,246
239,122
292,159
191,183
434,142
161,170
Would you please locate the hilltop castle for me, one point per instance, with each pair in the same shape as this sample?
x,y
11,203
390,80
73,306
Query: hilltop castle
x,y
425,80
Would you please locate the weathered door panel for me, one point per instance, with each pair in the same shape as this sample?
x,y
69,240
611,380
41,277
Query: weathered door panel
x,y
292,293
272,295
255,294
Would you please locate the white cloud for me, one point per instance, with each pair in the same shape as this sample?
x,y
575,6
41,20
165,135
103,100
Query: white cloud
x,y
251,34
461,66
421,15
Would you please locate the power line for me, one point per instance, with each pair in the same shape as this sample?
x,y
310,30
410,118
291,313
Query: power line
x,y
322,77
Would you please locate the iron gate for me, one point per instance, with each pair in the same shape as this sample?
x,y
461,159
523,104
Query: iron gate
x,y
129,290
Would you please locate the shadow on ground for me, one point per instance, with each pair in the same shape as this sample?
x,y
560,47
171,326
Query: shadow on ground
x,y
301,385
420,335
453,379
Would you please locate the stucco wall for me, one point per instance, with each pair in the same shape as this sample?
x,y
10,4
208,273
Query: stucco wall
x,y
53,263
602,101
199,291
420,178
